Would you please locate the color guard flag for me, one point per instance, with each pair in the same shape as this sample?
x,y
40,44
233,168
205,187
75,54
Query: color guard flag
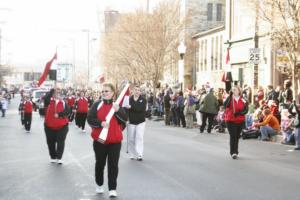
x,y
46,70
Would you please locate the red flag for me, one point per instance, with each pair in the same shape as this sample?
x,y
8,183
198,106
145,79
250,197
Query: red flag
x,y
228,56
46,70
223,77
101,78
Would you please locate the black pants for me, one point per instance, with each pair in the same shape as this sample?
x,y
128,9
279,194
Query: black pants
x,y
181,118
111,152
234,130
71,116
56,141
167,116
210,118
27,121
81,118
22,118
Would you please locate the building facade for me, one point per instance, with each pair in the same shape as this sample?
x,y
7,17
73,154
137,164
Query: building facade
x,y
211,59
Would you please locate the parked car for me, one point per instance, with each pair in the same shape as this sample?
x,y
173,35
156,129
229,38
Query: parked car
x,y
36,98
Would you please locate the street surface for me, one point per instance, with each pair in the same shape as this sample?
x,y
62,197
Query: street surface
x,y
179,164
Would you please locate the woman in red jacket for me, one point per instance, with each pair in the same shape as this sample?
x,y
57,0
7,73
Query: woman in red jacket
x,y
81,107
236,109
27,109
110,149
56,126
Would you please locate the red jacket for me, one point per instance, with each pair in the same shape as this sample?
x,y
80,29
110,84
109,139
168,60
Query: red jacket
x,y
82,105
71,101
27,107
235,110
115,128
50,120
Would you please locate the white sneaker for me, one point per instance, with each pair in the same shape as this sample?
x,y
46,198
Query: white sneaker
x,y
27,131
112,194
60,162
83,131
99,189
234,156
53,160
132,157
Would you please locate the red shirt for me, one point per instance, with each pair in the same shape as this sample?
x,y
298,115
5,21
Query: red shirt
x,y
27,107
50,120
114,131
82,105
71,101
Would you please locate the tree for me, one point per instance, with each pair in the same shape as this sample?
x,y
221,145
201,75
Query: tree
x,y
141,45
283,17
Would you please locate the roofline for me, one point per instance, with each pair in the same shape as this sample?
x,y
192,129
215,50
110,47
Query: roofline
x,y
204,33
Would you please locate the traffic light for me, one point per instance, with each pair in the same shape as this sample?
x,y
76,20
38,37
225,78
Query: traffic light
x,y
52,74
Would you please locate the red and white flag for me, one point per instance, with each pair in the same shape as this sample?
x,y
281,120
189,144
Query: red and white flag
x,y
101,78
46,70
228,56
121,100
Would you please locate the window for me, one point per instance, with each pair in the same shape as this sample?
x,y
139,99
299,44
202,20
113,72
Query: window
x,y
221,52
219,12
212,54
209,12
217,53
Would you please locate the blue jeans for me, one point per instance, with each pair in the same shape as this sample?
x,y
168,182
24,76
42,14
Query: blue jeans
x,y
297,137
267,131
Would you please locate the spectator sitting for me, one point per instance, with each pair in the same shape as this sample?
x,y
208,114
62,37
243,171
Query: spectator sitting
x,y
286,127
269,127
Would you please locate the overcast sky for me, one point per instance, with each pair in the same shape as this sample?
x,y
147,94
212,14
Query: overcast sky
x,y
33,29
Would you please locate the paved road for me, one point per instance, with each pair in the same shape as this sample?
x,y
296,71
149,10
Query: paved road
x,y
179,164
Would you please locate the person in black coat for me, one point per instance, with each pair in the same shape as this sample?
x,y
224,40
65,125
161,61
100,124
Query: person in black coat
x,y
137,123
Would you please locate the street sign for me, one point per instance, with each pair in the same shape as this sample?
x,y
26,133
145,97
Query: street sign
x,y
254,56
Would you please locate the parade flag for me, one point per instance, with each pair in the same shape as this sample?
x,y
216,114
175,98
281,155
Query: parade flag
x,y
46,70
120,101
228,56
101,78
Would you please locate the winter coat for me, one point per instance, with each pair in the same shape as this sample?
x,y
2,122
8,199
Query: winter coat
x,y
209,104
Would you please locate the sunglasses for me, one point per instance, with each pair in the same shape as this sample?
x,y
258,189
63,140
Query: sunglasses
x,y
105,91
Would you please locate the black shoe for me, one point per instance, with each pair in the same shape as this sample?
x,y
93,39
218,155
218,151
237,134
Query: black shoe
x,y
297,148
140,158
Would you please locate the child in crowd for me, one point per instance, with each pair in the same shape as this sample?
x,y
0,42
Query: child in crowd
x,y
220,120
286,127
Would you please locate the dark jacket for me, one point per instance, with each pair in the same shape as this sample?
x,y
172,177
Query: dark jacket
x,y
167,100
209,104
297,114
137,111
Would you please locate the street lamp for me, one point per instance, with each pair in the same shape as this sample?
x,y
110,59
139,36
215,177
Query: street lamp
x,y
181,51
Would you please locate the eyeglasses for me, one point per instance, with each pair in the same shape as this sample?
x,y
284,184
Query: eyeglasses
x,y
105,91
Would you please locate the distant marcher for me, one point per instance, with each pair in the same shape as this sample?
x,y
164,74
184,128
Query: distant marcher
x,y
56,126
81,107
27,109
